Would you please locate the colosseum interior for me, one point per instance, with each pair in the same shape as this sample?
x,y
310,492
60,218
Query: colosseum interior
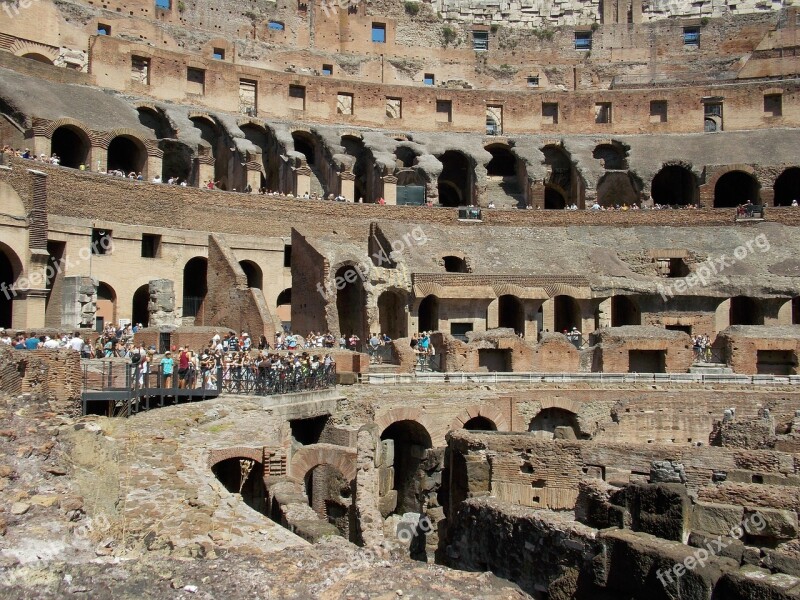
x,y
521,280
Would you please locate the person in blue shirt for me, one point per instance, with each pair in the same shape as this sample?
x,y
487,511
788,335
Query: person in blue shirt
x,y
32,343
167,367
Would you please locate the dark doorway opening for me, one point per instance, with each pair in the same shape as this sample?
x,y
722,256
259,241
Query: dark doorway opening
x,y
735,188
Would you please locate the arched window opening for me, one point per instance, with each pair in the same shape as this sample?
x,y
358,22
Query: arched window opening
x,y
735,188
71,145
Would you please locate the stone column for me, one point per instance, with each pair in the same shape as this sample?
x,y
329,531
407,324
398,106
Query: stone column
x,y
347,186
302,180
204,167
161,305
79,302
605,313
493,314
390,189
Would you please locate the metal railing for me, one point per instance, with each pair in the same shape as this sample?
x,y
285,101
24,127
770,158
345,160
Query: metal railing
x,y
267,381
126,389
709,355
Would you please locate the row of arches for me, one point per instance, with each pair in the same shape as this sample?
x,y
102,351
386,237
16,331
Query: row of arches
x,y
674,184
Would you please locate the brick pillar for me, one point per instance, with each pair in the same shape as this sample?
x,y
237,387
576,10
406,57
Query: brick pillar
x,y
98,159
537,194
549,315
29,306
622,11
42,145
204,167
153,166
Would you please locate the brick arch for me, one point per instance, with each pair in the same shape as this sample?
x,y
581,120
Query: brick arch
x,y
196,114
340,457
720,171
217,456
481,410
563,289
47,128
510,289
412,414
573,406
20,48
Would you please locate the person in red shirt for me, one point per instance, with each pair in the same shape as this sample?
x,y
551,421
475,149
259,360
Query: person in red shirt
x,y
183,368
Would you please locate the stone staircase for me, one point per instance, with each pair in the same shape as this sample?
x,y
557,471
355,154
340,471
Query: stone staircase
x,y
711,369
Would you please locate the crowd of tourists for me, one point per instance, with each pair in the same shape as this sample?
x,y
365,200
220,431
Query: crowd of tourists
x,y
701,347
53,159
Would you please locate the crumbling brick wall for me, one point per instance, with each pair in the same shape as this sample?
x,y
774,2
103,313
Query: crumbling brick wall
x,y
229,301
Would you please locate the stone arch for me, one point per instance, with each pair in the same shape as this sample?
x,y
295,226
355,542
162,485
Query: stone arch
x,y
306,144
428,313
560,174
511,313
155,120
249,483
106,303
351,300
567,404
719,172
255,277
34,51
745,310
555,198
195,287
545,422
409,413
481,410
566,313
787,187
263,137
354,146
455,180
10,270
220,454
140,302
38,57
406,157
71,143
127,153
392,313
736,187
674,184
306,458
